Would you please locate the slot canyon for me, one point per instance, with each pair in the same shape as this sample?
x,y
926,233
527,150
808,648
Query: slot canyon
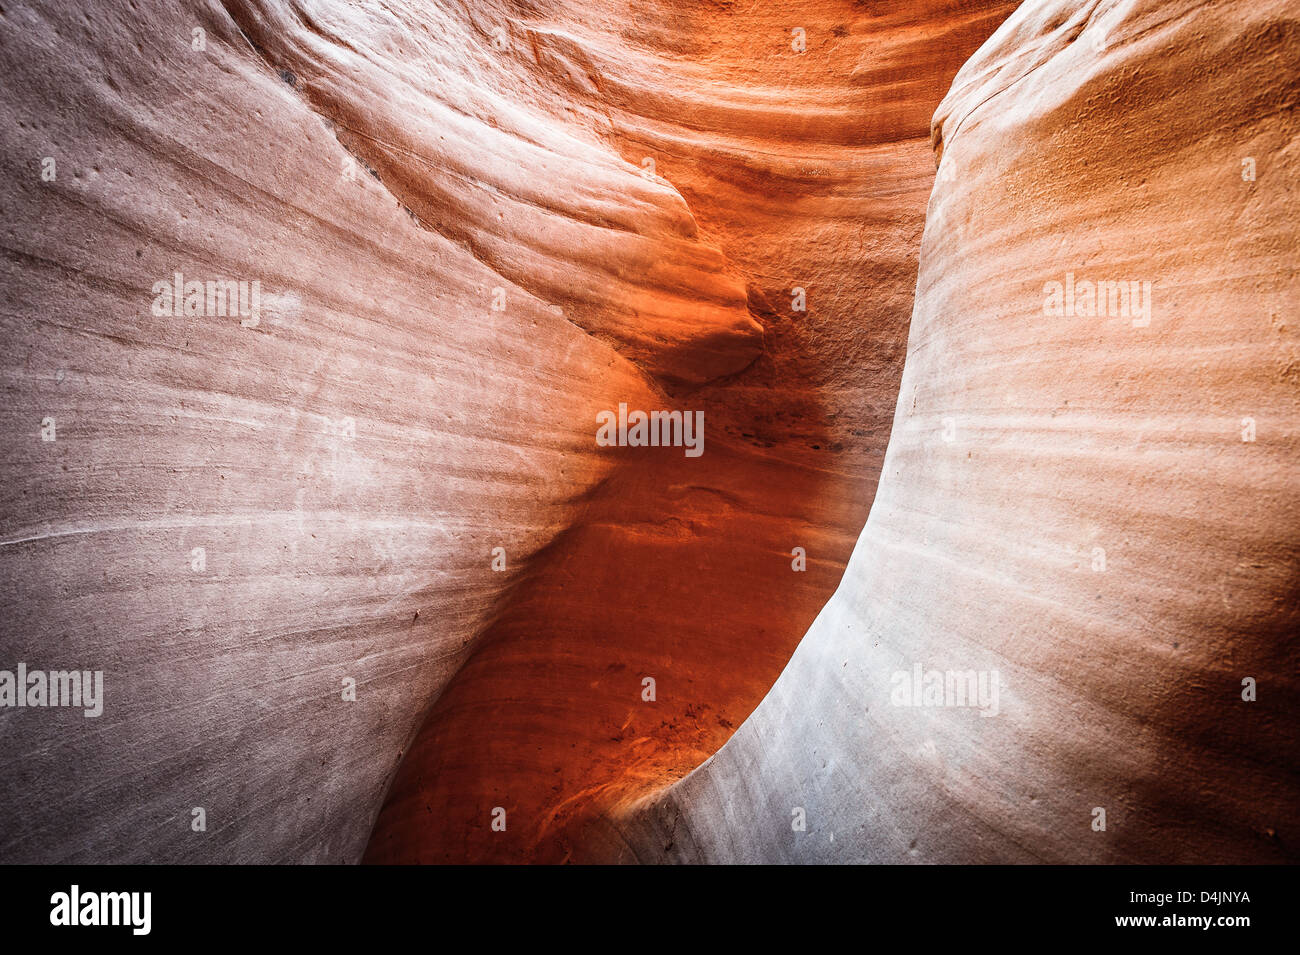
x,y
948,506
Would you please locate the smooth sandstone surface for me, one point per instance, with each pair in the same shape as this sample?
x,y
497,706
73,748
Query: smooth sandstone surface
x,y
811,171
346,465
1113,142
478,225
463,256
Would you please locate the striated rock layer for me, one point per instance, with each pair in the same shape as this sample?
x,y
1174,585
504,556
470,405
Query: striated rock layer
x,y
359,576
238,514
811,170
1097,508
472,228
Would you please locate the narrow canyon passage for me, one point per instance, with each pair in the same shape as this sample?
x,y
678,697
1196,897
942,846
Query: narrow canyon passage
x,y
809,164
474,227
985,547
1081,563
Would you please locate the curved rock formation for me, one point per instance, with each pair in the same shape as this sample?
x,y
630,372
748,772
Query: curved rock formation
x,y
1095,506
811,170
454,254
337,525
235,516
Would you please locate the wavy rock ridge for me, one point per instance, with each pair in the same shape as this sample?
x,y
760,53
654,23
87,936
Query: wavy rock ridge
x,y
461,257
1096,507
358,574
810,171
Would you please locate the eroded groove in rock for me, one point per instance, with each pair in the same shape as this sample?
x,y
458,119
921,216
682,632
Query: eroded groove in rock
x,y
453,125
235,514
358,572
809,171
460,257
1096,507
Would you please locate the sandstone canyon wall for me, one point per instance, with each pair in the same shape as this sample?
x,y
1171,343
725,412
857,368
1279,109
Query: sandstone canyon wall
x,y
462,256
1099,510
232,516
811,170
358,573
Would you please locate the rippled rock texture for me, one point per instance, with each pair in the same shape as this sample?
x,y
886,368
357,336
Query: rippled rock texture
x,y
798,136
1097,507
364,585
463,232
